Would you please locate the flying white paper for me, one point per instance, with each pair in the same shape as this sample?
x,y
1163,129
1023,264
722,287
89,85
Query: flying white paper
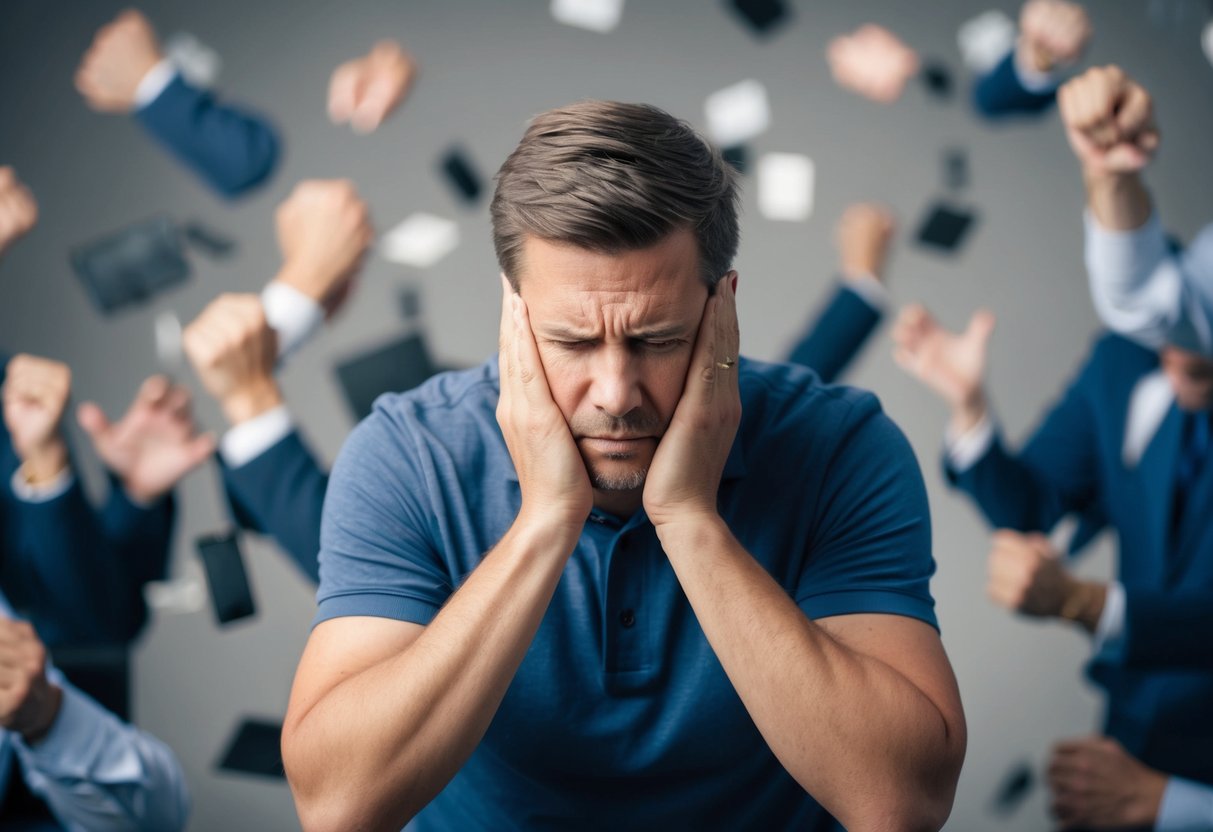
x,y
986,39
785,186
595,15
738,113
421,240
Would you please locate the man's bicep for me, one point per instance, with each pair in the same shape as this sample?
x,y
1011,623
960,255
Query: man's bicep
x,y
340,649
912,648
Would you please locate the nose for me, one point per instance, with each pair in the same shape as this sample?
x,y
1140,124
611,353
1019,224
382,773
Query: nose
x,y
615,384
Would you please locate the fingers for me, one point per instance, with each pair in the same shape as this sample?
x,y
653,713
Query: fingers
x,y
343,92
92,420
980,328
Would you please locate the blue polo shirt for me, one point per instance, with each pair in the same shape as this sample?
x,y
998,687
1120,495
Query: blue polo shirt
x,y
620,715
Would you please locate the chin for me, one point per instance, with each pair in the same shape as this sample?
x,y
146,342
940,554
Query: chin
x,y
615,475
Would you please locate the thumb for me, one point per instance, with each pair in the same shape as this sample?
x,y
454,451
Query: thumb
x,y
93,421
343,92
376,99
201,448
981,326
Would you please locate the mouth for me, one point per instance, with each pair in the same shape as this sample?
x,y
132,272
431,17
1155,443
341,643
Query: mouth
x,y
616,445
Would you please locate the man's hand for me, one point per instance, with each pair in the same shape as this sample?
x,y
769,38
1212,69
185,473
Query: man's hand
x,y
18,209
35,396
952,365
123,52
29,703
364,91
873,62
233,350
1109,121
863,237
684,478
1052,33
324,229
1026,575
154,445
551,473
1096,784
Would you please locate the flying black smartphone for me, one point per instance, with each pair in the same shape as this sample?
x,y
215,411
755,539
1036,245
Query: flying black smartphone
x,y
231,595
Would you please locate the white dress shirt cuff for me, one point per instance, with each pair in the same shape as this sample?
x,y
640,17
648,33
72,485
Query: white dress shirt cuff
x,y
249,440
154,82
1031,78
1135,285
1185,807
292,314
870,290
1110,631
26,492
964,450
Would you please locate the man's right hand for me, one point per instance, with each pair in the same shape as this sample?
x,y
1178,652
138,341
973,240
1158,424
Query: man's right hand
x,y
324,229
35,396
952,365
863,238
29,703
18,209
123,52
551,473
233,350
1109,121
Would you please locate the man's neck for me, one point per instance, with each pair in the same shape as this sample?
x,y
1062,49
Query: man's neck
x,y
620,503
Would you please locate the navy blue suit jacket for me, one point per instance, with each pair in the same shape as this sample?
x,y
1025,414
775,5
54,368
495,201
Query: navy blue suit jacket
x,y
77,573
836,335
1000,93
1160,687
231,150
281,494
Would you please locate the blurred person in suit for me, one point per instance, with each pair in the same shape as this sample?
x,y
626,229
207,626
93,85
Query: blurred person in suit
x,y
273,481
1144,286
66,763
1053,34
842,325
1128,445
124,71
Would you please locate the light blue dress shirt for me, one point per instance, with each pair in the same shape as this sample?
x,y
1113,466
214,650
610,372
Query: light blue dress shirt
x,y
1147,292
96,772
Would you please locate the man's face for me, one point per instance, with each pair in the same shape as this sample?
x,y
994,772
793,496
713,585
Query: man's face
x,y
1191,377
615,334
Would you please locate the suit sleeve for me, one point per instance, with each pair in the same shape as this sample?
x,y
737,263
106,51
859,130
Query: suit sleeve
x,y
281,493
1054,475
230,149
1001,92
837,334
1167,629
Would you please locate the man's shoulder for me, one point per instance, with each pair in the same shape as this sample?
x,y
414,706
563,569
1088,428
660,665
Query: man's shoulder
x,y
455,409
789,404
789,387
1116,362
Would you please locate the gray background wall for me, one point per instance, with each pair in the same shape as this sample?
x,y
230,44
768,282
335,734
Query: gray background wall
x,y
486,67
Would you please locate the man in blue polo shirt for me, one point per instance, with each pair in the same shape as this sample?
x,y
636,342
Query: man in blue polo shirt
x,y
619,577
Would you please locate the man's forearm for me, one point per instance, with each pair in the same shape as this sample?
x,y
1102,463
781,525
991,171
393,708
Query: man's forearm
x,y
380,745
1119,202
814,699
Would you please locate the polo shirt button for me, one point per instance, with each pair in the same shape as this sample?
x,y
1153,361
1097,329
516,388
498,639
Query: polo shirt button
x,y
627,618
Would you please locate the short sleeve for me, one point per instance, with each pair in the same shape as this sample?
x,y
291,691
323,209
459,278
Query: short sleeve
x,y
870,549
377,556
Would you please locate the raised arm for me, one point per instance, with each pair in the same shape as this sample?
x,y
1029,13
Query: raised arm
x,y
867,692
384,713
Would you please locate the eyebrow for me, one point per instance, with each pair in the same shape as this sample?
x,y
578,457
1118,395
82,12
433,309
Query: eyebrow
x,y
655,334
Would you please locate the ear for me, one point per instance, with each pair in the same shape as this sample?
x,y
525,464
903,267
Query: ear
x,y
732,275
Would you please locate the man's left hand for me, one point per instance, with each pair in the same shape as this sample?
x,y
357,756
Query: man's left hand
x,y
1096,784
684,477
154,445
